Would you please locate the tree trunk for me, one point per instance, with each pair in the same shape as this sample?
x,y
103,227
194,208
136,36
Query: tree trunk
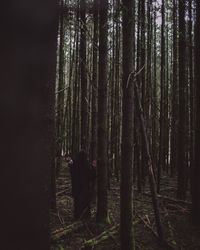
x,y
162,85
102,206
196,167
126,188
181,189
174,118
60,97
84,105
94,83
28,65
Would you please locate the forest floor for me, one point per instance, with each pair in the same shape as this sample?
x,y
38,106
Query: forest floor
x,y
175,215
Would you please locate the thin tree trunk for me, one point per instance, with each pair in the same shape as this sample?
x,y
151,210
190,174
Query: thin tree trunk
x,y
191,80
126,187
75,113
154,98
181,189
162,85
84,105
196,167
174,132
143,88
94,83
60,97
117,111
102,203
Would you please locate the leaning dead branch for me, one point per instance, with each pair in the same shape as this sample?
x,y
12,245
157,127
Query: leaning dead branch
x,y
164,242
167,198
103,236
151,176
59,233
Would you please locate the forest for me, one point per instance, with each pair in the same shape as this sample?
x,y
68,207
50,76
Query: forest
x,y
107,86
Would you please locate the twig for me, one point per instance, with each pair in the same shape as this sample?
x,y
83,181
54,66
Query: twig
x,y
61,192
61,90
137,73
60,218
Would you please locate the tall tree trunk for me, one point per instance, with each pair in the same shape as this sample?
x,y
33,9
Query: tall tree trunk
x,y
126,188
84,105
166,96
174,119
75,113
191,81
196,166
137,136
117,108
154,98
102,206
60,97
94,83
149,89
181,189
162,85
27,131
143,88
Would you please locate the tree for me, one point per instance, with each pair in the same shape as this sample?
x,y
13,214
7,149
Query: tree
x,y
174,116
182,164
196,166
84,105
60,97
154,95
191,81
143,85
162,85
27,129
94,83
102,114
126,187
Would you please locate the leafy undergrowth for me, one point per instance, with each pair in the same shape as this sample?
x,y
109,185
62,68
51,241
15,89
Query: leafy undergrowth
x,y
69,234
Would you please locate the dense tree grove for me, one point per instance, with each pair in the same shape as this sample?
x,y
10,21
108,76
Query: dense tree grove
x,y
156,44
123,89
114,44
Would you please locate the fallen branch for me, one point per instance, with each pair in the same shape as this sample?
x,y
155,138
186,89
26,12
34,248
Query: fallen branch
x,y
177,207
60,219
163,197
67,230
164,242
147,225
103,236
63,191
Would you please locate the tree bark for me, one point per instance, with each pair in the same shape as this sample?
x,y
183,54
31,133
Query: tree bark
x,y
174,118
102,203
126,187
181,189
196,167
84,105
28,70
